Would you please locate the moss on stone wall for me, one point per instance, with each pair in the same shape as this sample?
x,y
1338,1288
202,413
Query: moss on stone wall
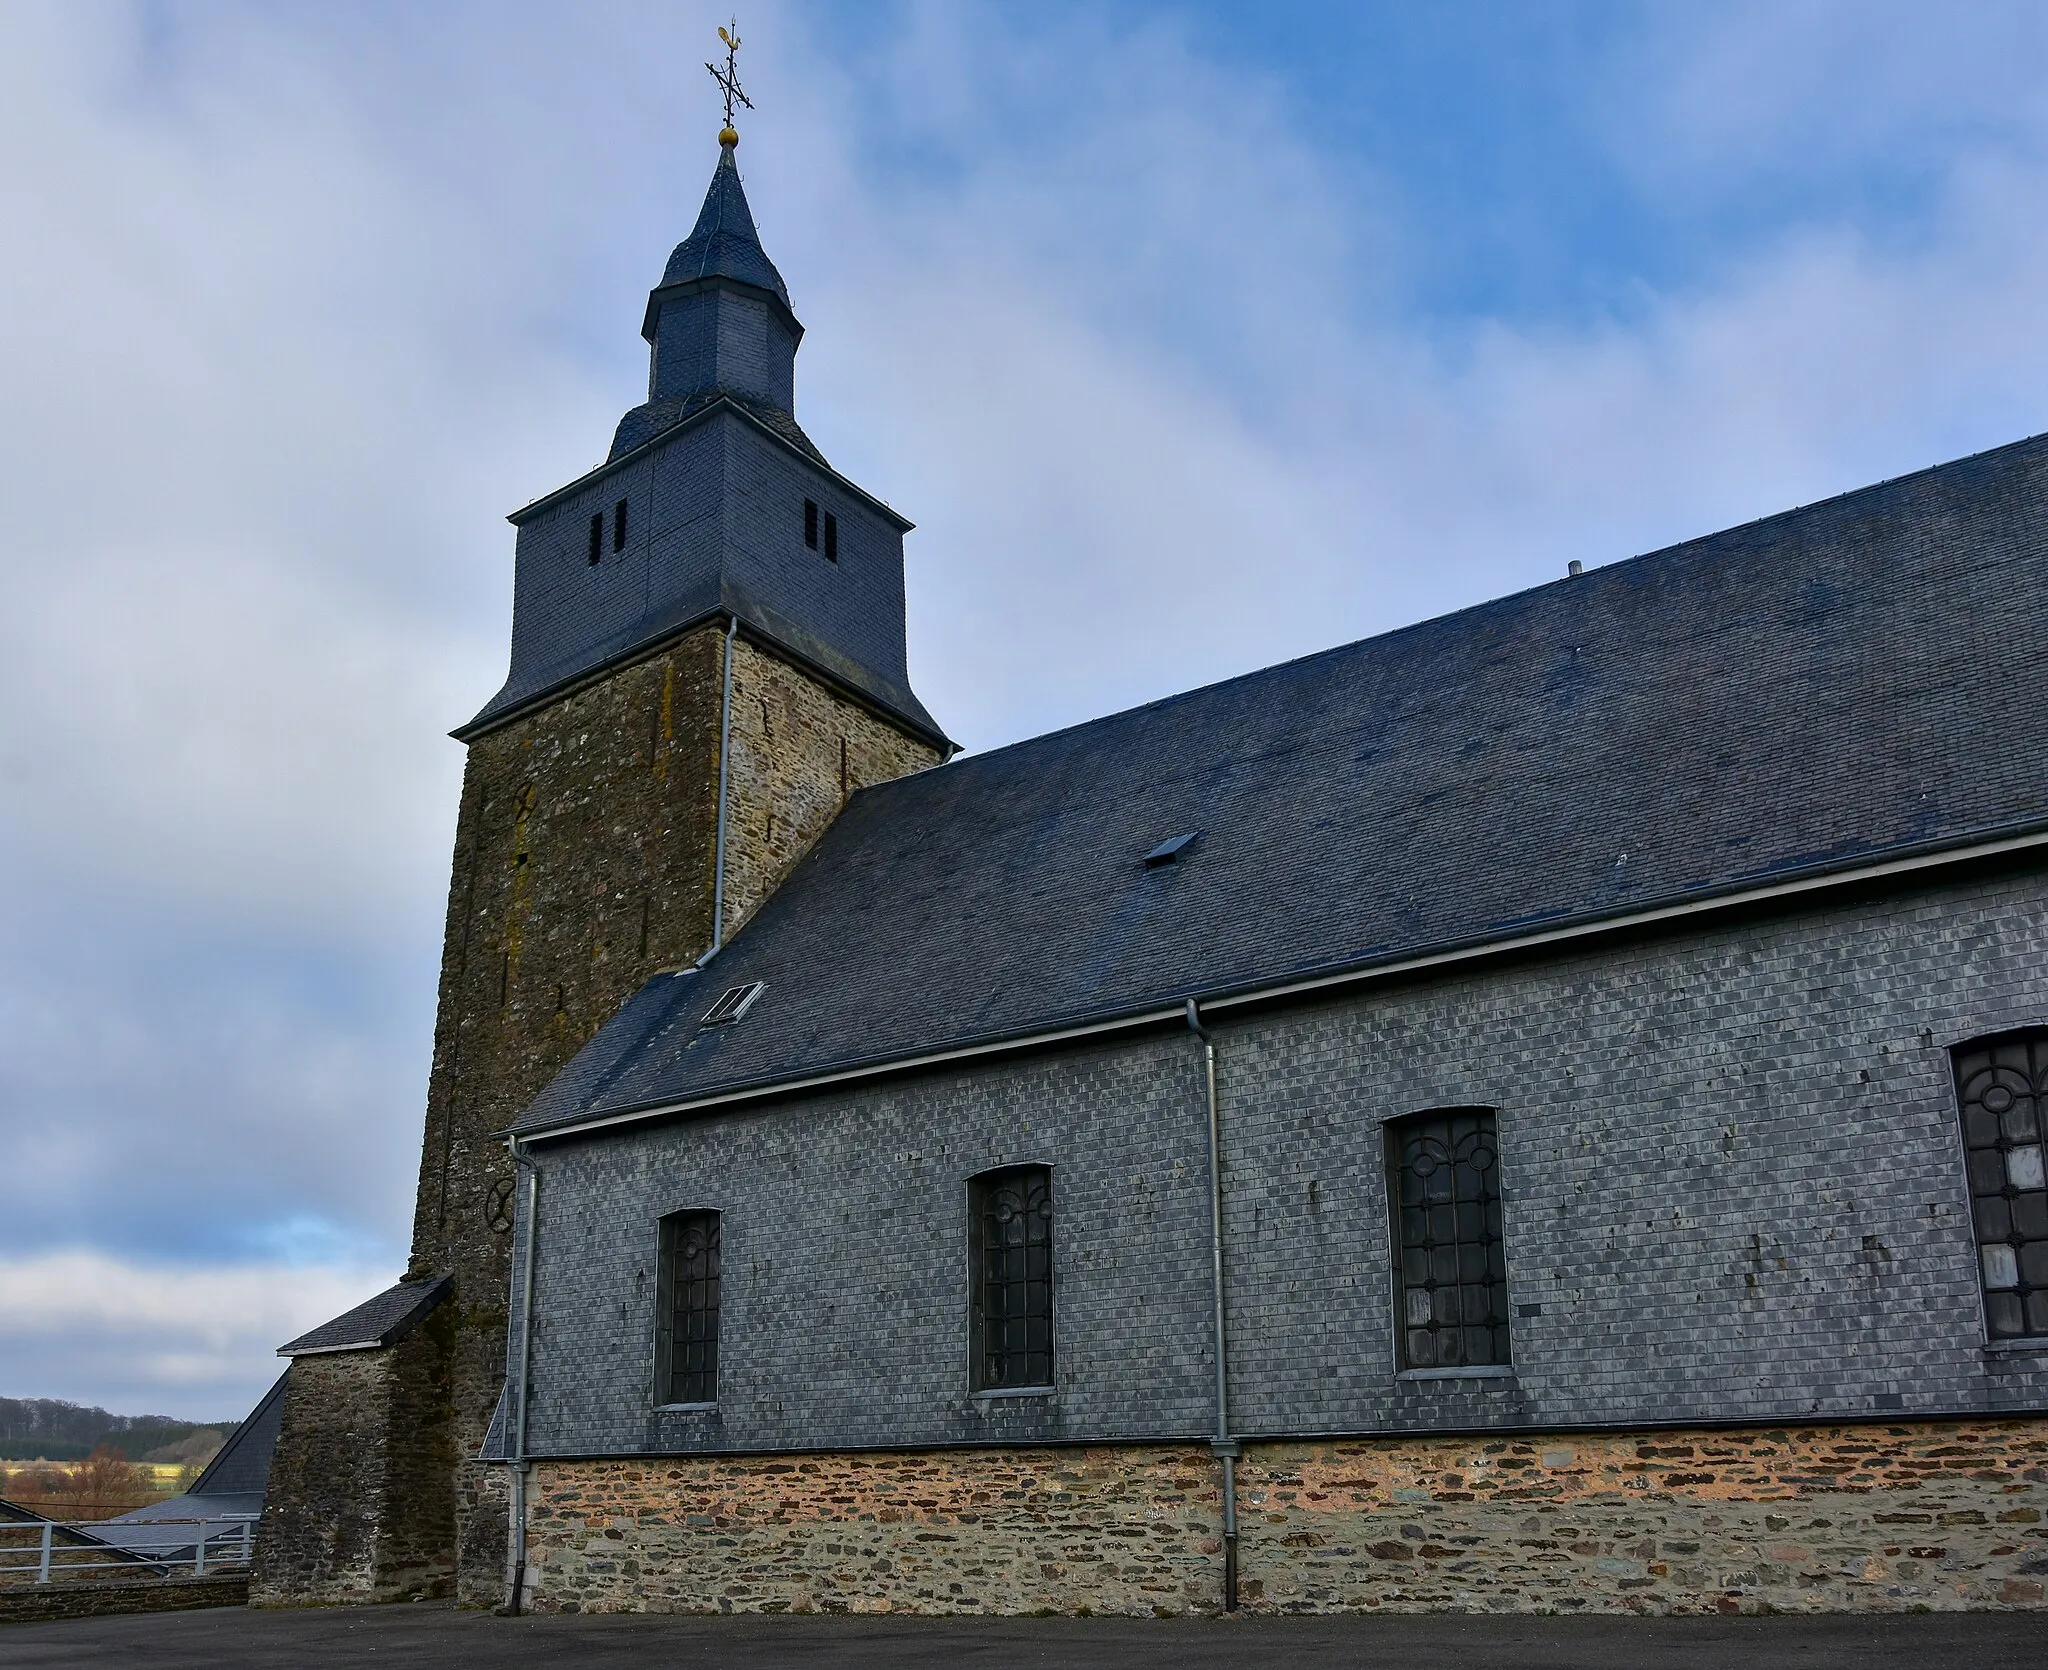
x,y
358,1507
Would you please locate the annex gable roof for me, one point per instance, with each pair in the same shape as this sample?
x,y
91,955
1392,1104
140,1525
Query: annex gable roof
x,y
384,1319
1858,678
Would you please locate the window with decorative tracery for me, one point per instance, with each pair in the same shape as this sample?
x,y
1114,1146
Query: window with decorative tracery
x,y
1450,1265
1010,1261
686,1356
2001,1086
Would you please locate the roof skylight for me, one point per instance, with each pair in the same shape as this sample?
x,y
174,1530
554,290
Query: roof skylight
x,y
734,1002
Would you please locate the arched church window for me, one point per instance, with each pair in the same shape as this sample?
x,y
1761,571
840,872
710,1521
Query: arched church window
x,y
686,1350
1010,1268
2001,1086
1450,1262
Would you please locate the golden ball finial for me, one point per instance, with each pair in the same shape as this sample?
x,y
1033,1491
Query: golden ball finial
x,y
728,136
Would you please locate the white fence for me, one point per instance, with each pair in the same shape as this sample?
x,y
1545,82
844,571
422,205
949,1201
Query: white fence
x,y
43,1551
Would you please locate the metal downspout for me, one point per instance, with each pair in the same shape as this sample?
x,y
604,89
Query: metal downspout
x,y
1222,1446
732,632
515,1538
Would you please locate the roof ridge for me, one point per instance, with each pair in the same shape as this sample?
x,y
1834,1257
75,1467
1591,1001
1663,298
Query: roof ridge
x,y
1395,632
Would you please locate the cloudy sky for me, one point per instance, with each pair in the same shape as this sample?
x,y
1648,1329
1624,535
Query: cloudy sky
x,y
1193,336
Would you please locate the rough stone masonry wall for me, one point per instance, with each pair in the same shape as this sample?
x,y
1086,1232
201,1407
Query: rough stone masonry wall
x,y
44,1603
1936,1516
584,864
798,750
1123,1530
358,1507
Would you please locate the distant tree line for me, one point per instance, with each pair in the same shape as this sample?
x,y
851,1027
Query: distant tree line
x,y
49,1429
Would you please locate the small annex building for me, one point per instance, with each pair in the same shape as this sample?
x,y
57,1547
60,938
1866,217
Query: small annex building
x,y
1540,1109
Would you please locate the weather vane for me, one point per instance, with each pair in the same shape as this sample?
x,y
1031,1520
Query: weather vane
x,y
728,80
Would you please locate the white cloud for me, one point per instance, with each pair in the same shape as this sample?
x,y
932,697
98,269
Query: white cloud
x,y
141,1337
297,303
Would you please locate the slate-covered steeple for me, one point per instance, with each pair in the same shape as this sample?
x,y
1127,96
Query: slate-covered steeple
x,y
723,244
712,503
720,321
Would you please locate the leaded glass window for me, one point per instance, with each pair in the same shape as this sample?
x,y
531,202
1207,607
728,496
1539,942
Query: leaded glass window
x,y
1450,1276
1011,1269
2001,1085
687,1361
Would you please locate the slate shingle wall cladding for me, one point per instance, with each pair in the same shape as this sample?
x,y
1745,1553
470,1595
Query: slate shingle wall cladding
x,y
1938,1516
1733,1188
721,338
854,607
715,520
844,1257
568,613
1733,1181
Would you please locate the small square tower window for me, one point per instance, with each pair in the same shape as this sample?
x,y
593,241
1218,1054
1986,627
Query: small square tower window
x,y
619,526
596,537
811,523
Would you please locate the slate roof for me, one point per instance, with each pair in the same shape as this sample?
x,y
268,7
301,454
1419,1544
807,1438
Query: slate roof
x,y
242,1466
656,417
1861,677
723,243
384,1320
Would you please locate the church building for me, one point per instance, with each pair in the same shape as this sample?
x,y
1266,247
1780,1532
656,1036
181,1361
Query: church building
x,y
1537,1110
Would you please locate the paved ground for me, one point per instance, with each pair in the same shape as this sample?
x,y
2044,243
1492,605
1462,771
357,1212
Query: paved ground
x,y
231,1639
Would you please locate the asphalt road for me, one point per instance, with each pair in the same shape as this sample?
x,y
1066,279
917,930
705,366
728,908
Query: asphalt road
x,y
439,1636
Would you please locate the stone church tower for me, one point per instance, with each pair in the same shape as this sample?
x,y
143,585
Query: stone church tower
x,y
707,658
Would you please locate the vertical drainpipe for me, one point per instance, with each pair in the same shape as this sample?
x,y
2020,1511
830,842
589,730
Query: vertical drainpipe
x,y
515,1536
1222,1446
732,632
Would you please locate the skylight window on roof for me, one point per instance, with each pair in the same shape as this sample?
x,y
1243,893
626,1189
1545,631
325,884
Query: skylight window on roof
x,y
1168,852
734,1003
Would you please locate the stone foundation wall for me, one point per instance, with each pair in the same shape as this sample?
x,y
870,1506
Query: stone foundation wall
x,y
1907,1517
41,1603
1823,1518
999,1531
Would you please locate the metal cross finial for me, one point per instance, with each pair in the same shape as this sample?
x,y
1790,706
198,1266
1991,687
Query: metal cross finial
x,y
728,79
